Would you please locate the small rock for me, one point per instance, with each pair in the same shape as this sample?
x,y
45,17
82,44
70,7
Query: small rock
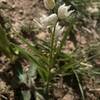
x,y
21,11
13,6
3,1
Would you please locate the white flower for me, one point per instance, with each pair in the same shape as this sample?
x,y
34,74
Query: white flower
x,y
49,4
49,21
63,11
46,21
59,30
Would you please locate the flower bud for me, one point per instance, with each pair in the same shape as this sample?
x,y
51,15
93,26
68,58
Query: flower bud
x,y
49,4
63,11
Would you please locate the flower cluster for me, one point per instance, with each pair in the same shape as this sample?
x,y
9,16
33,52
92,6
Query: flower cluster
x,y
63,12
52,20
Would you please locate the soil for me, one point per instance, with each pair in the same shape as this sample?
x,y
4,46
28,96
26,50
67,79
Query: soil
x,y
21,12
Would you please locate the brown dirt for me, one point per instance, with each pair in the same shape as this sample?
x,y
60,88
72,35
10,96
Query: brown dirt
x,y
22,11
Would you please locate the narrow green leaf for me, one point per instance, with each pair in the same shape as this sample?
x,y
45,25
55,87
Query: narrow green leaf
x,y
80,86
4,42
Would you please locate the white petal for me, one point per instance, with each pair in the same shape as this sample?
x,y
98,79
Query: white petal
x,y
59,30
68,7
50,20
68,13
61,11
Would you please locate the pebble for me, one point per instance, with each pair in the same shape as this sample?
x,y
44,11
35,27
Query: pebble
x,y
3,1
13,6
21,11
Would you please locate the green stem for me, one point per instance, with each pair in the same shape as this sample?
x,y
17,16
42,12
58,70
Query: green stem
x,y
52,46
51,59
80,86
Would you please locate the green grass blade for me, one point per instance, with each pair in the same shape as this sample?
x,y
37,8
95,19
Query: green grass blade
x,y
80,86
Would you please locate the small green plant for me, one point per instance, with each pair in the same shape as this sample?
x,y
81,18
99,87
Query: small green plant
x,y
46,58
